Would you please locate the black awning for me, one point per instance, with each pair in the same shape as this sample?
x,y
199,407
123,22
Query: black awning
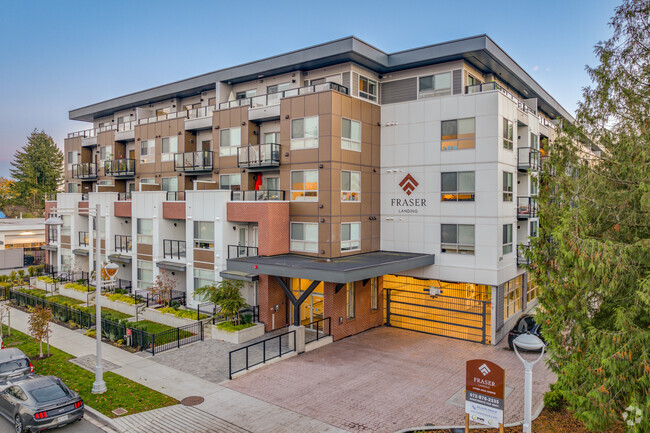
x,y
120,258
171,266
241,276
337,270
80,252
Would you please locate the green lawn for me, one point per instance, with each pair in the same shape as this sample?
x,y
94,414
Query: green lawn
x,y
64,300
160,339
106,312
122,392
153,327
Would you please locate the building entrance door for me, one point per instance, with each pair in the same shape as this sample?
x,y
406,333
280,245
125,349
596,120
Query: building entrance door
x,y
312,309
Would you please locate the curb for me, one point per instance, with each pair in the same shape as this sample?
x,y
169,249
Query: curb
x,y
101,418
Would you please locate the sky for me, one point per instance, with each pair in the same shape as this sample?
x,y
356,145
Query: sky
x,y
56,56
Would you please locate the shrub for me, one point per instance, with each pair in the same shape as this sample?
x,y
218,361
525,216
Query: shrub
x,y
229,327
48,280
91,333
175,305
553,398
79,287
122,298
183,314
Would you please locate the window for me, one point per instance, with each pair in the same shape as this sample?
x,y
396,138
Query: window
x,y
72,159
271,138
230,181
145,275
163,111
206,145
457,238
471,80
435,85
532,289
534,141
304,237
350,236
204,235
73,187
123,119
457,186
350,135
169,148
145,231
148,181
349,300
304,185
534,229
229,141
512,297
104,153
374,293
65,227
104,183
147,151
508,134
304,133
278,88
507,238
245,94
212,102
202,278
367,88
533,185
507,186
169,184
458,134
350,186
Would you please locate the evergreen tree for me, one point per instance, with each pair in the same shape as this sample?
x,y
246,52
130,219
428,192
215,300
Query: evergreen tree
x,y
592,257
37,169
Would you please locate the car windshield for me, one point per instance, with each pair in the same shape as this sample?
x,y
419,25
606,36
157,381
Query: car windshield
x,y
48,393
12,365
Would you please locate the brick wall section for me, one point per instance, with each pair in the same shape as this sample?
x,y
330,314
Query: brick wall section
x,y
82,207
270,294
365,318
273,223
174,210
122,209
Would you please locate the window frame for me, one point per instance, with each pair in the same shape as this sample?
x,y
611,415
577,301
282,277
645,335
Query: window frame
x,y
294,241
454,195
245,94
149,145
374,294
351,195
508,134
371,96
506,239
229,149
201,243
351,244
350,300
303,197
351,143
443,91
277,89
507,190
168,156
448,143
512,302
141,282
231,186
162,183
457,247
142,237
305,141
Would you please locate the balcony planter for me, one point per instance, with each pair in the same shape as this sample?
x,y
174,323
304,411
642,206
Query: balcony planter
x,y
75,294
238,337
154,315
120,306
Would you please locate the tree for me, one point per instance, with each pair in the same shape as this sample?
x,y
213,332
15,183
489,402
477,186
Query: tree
x,y
39,326
593,255
227,295
7,194
163,287
37,169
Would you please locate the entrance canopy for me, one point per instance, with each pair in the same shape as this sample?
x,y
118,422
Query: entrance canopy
x,y
338,270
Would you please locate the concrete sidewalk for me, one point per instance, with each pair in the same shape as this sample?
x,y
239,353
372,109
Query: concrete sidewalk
x,y
227,406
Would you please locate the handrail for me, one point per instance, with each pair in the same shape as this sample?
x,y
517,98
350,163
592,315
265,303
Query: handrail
x,y
123,243
526,207
521,257
123,196
120,167
193,161
84,170
257,195
175,196
314,325
258,155
528,158
83,239
264,357
274,98
173,248
237,251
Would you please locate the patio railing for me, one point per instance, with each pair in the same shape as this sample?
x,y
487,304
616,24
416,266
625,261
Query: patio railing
x,y
260,352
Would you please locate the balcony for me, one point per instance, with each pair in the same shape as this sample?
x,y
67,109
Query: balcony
x,y
123,196
125,131
259,156
52,236
199,118
175,196
237,251
85,170
526,207
123,244
174,205
528,158
173,249
259,195
193,162
521,257
83,239
120,167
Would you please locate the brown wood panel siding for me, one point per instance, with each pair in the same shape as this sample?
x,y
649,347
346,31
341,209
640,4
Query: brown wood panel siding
x,y
145,249
205,256
399,91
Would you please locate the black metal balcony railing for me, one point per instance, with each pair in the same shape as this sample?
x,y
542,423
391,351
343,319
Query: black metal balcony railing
x,y
52,237
83,239
529,159
123,196
173,249
175,196
521,256
259,155
237,251
85,170
123,243
526,207
193,161
124,167
257,195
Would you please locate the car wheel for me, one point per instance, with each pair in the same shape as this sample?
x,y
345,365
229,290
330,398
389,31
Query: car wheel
x,y
18,424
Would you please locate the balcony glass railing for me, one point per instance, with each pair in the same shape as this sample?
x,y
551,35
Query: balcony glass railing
x,y
526,207
259,155
85,170
521,257
123,196
198,113
126,126
257,195
173,249
529,159
274,98
237,251
123,244
120,167
83,239
193,161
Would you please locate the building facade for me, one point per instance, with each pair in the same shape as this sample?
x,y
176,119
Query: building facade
x,y
338,181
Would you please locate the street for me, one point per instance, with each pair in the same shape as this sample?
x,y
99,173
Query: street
x,y
79,427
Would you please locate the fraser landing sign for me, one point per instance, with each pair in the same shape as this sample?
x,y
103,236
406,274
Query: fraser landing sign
x,y
408,205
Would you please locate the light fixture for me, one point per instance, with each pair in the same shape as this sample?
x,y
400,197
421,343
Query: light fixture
x,y
27,233
528,342
54,221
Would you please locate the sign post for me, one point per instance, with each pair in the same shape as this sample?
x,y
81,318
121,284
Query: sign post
x,y
484,393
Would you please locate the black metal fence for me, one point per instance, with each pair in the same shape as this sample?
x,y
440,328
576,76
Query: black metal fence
x,y
33,256
318,330
209,309
150,298
60,312
260,352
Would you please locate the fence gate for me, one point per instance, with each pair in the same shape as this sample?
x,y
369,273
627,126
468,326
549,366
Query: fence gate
x,y
413,307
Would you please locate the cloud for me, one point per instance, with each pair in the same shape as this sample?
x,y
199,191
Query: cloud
x,y
535,68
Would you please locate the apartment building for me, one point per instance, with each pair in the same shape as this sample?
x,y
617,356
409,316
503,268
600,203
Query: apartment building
x,y
338,181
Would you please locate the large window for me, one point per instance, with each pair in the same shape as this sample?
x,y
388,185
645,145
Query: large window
x,y
534,229
508,134
304,185
304,237
147,151
435,85
349,300
457,186
65,227
145,275
350,185
533,185
169,148
105,153
245,94
350,236
350,135
229,141
534,141
512,297
276,88
145,231
374,293
457,238
532,289
458,134
507,186
367,88
304,133
230,181
169,184
72,159
202,278
204,235
507,238
73,187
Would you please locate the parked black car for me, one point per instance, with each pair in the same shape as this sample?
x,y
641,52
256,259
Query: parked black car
x,y
37,403
14,363
525,325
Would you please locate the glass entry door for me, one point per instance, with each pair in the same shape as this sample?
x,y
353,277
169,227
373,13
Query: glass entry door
x,y
312,309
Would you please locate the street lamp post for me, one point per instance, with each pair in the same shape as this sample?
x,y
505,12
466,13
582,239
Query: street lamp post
x,y
528,342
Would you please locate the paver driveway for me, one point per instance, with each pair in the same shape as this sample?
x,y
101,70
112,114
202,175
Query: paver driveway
x,y
387,379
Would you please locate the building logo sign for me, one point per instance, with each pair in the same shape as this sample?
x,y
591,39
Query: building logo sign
x,y
484,392
484,369
408,205
408,184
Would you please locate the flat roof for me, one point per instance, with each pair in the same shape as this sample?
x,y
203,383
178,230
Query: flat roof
x,y
338,270
479,51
